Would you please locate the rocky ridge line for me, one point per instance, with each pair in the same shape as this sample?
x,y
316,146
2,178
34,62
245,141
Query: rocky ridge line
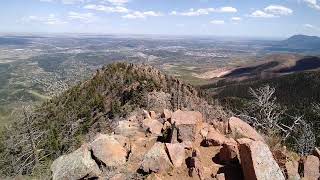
x,y
180,145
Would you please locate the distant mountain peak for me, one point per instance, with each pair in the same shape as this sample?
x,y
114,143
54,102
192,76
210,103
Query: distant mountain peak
x,y
303,37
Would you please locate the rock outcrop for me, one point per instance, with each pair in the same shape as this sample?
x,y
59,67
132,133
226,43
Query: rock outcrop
x,y
229,152
153,126
109,151
175,145
156,160
257,161
292,170
176,153
75,165
241,129
187,124
215,138
311,167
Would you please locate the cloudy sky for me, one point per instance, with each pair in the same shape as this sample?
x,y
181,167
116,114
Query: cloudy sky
x,y
251,18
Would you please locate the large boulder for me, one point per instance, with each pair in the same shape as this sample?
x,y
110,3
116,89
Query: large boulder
x,y
229,152
153,176
108,150
156,159
222,126
311,167
76,165
166,114
204,130
195,166
215,138
186,117
187,123
146,114
153,126
220,176
243,130
153,115
316,152
176,153
127,128
292,168
257,161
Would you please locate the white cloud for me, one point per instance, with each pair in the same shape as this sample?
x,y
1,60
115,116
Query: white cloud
x,y
217,22
173,13
117,2
197,12
152,13
205,11
85,17
227,10
272,11
278,10
72,1
49,20
236,19
65,1
308,25
109,9
313,27
313,4
141,15
261,14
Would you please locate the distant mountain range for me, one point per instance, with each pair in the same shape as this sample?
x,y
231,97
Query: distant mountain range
x,y
273,66
298,43
296,80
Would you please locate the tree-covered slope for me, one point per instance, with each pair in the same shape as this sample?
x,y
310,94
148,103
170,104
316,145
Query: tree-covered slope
x,y
297,92
60,125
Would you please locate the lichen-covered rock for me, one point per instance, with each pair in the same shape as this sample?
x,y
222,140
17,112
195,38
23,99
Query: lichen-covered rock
x,y
292,170
204,130
215,138
76,165
311,167
153,115
146,114
127,128
156,159
108,150
257,161
186,117
187,124
176,153
244,130
166,126
187,144
166,114
152,125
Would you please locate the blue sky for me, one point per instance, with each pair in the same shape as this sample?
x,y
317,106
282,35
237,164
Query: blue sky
x,y
259,18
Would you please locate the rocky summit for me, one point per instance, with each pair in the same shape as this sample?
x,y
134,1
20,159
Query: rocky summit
x,y
179,145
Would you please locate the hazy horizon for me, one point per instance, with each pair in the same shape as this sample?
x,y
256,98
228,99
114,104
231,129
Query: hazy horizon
x,y
140,35
223,18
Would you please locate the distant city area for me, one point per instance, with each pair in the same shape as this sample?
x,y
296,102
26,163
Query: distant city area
x,y
35,68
